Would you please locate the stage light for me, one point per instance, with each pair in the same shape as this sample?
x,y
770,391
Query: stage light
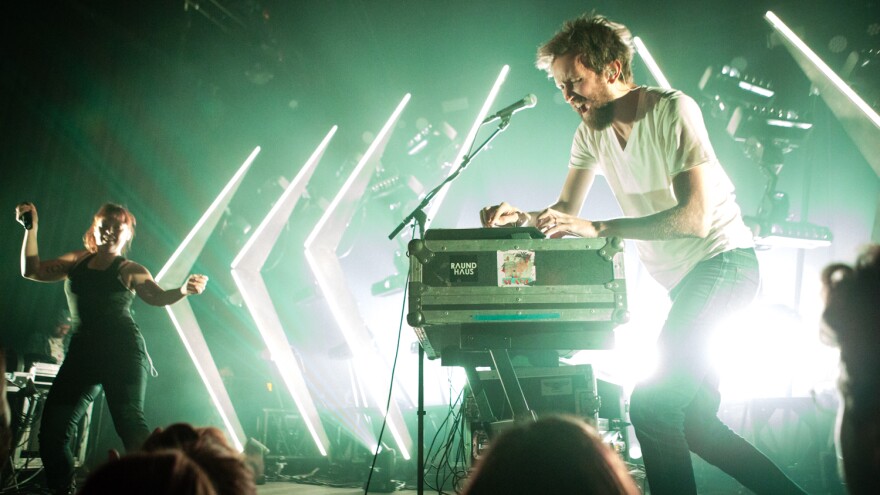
x,y
642,50
799,235
174,274
246,272
767,134
789,124
635,451
754,88
838,83
771,125
320,253
861,122
731,87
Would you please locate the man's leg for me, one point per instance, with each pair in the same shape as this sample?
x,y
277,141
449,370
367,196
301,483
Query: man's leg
x,y
717,444
656,412
709,293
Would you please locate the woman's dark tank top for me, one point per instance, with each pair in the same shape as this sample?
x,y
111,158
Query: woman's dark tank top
x,y
98,300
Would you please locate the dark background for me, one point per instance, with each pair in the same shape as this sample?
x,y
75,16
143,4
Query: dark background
x,y
155,105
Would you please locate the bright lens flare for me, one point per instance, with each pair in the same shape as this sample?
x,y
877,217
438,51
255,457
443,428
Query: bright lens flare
x,y
768,351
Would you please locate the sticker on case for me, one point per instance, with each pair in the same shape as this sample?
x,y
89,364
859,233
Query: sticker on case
x,y
516,268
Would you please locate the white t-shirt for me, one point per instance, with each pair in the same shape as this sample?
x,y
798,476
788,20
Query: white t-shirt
x,y
668,137
56,345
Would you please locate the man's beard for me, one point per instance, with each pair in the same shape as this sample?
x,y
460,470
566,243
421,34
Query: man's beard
x,y
599,119
601,113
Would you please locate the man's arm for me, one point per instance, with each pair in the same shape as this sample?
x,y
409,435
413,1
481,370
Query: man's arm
x,y
571,199
691,217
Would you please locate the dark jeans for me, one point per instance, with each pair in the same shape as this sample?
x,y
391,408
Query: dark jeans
x,y
676,411
119,365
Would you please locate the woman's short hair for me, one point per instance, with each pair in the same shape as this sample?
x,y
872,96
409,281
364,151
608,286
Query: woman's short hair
x,y
108,210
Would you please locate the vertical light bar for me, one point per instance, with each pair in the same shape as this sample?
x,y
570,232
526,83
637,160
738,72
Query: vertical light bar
x,y
466,145
246,272
174,274
642,50
320,252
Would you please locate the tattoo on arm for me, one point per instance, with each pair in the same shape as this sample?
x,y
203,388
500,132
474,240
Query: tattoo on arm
x,y
56,267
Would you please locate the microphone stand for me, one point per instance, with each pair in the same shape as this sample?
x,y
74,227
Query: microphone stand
x,y
420,217
418,214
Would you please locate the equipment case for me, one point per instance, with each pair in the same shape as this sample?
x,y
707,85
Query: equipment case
x,y
511,288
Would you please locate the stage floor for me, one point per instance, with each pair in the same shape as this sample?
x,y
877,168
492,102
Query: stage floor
x,y
292,488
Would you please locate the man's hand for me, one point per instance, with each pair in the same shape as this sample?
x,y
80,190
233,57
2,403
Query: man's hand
x,y
555,224
503,215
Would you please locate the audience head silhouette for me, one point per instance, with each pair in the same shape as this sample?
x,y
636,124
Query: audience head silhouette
x,y
555,454
170,472
851,320
207,446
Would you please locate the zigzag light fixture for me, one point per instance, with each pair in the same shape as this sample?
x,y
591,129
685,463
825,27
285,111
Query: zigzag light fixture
x,y
246,272
320,253
174,274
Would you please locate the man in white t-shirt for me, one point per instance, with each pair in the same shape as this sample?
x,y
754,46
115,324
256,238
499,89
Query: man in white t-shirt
x,y
652,147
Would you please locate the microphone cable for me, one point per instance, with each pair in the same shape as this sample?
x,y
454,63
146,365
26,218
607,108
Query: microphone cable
x,y
391,385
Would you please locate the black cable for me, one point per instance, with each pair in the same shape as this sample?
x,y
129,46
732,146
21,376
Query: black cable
x,y
13,483
391,384
458,451
437,482
444,459
449,453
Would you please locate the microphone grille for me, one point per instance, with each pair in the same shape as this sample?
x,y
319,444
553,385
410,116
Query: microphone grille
x,y
531,100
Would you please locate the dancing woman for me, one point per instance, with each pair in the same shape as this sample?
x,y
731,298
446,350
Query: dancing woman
x,y
107,349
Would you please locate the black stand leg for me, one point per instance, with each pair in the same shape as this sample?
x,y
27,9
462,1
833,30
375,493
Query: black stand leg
x,y
420,462
482,401
510,384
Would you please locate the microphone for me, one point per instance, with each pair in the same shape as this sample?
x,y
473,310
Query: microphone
x,y
528,102
27,219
